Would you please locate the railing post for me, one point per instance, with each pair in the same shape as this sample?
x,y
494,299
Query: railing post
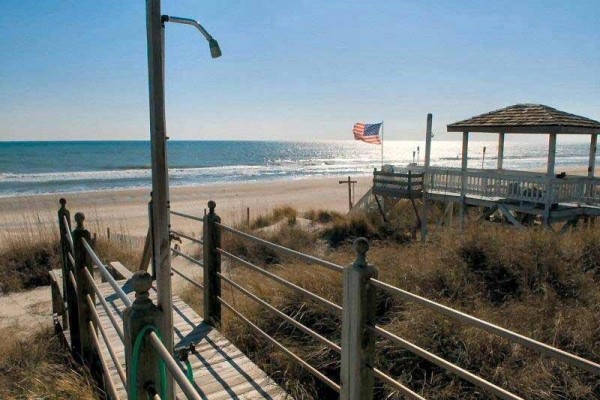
x,y
358,342
142,367
64,214
83,261
212,266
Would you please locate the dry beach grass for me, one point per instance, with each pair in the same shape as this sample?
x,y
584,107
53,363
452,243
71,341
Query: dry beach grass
x,y
534,282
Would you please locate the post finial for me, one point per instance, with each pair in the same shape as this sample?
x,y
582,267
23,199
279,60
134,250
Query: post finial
x,y
79,218
141,282
211,206
361,246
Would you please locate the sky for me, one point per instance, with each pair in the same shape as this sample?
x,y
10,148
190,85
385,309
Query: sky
x,y
291,70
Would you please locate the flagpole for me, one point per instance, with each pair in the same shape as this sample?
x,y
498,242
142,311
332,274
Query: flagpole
x,y
381,145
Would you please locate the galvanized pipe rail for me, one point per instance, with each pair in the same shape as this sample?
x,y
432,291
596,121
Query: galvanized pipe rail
x,y
187,278
336,309
106,307
190,259
107,342
180,214
185,385
109,382
328,343
281,249
539,347
281,347
183,235
109,278
440,362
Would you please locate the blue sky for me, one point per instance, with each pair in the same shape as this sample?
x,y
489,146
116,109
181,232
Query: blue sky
x,y
301,70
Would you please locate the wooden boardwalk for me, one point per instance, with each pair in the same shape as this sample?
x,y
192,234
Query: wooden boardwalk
x,y
221,371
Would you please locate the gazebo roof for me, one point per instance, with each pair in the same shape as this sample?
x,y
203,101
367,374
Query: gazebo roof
x,y
527,118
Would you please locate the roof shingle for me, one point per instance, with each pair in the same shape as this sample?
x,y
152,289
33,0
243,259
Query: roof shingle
x,y
527,118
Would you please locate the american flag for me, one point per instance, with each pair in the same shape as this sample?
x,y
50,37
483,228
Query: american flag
x,y
367,132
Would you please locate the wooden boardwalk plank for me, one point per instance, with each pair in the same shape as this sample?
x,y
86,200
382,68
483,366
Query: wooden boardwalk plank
x,y
221,370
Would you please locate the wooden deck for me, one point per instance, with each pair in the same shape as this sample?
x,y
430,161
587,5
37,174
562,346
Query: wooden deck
x,y
221,371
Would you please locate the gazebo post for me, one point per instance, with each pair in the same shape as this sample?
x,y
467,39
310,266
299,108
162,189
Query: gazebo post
x,y
463,189
550,177
500,150
428,136
592,161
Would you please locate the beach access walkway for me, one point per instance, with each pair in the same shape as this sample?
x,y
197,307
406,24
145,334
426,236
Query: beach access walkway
x,y
114,326
219,369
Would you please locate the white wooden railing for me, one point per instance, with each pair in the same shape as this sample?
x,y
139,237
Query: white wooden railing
x,y
522,186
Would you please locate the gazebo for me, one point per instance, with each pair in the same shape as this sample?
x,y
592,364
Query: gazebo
x,y
530,119
536,119
520,196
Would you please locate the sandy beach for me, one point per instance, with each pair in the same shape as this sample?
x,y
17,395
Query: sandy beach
x,y
126,211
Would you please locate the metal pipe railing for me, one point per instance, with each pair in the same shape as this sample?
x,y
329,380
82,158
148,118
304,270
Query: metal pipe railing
x,y
282,249
328,343
187,216
505,333
190,238
111,351
68,235
105,305
109,381
187,278
186,386
73,281
71,260
440,362
396,385
331,306
281,347
190,259
122,295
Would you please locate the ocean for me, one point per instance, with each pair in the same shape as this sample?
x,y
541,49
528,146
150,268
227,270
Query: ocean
x,y
29,168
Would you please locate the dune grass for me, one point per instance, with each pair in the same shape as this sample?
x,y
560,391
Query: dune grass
x,y
532,281
38,367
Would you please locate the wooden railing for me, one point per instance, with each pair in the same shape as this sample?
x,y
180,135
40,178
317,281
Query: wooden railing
x,y
526,187
357,346
391,183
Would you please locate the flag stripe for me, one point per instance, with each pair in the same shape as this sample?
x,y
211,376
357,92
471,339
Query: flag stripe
x,y
368,133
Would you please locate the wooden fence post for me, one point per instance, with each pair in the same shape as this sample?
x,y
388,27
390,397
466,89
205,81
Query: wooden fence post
x,y
358,342
84,288
64,214
138,320
212,266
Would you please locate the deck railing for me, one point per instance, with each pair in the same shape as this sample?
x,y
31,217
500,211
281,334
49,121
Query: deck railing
x,y
357,346
519,186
